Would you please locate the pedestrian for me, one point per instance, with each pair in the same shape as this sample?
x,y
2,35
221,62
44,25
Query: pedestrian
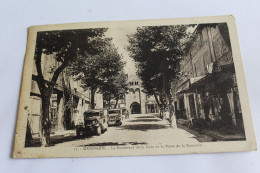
x,y
207,105
167,114
126,114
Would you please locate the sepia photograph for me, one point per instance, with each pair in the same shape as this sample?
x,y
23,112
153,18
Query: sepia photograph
x,y
133,88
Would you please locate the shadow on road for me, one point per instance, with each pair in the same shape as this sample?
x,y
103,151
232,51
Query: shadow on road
x,y
145,120
63,139
143,127
146,117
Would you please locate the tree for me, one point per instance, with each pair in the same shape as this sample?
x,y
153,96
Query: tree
x,y
152,84
116,88
120,87
99,72
66,46
158,51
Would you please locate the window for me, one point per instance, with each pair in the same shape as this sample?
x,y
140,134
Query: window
x,y
207,59
195,68
199,41
199,68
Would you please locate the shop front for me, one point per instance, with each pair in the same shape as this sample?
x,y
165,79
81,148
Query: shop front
x,y
187,101
219,98
151,107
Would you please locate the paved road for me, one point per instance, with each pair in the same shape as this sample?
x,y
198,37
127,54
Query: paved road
x,y
138,129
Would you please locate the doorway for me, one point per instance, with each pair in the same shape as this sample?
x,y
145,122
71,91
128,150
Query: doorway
x,y
135,108
192,106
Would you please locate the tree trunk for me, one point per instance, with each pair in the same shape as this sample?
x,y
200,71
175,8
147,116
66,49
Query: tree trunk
x,y
170,107
172,116
158,103
45,122
46,90
116,102
92,101
109,100
156,99
163,104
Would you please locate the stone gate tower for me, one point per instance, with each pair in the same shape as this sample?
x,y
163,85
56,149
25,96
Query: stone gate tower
x,y
136,100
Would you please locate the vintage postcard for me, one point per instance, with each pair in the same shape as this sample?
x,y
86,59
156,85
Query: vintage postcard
x,y
128,88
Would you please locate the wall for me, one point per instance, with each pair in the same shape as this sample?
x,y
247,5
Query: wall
x,y
80,96
208,47
135,93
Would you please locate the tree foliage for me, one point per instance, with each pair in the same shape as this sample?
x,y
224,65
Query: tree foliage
x,y
67,46
99,72
157,50
116,88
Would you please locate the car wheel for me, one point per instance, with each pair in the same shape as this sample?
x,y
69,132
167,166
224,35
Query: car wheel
x,y
79,132
105,126
103,129
98,131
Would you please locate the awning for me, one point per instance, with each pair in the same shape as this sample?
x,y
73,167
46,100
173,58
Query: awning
x,y
185,87
210,80
196,79
201,81
151,102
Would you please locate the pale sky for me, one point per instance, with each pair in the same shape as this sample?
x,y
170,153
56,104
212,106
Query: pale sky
x,y
119,35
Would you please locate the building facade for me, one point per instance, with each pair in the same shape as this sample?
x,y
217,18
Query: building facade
x,y
67,103
208,89
136,101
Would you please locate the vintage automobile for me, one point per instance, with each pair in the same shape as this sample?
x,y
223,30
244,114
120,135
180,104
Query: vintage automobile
x,y
115,117
95,122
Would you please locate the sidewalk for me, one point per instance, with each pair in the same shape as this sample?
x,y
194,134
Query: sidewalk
x,y
56,137
215,134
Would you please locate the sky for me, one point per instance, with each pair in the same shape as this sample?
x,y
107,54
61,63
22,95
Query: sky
x,y
119,35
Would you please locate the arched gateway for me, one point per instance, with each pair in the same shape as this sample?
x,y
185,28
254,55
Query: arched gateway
x,y
135,108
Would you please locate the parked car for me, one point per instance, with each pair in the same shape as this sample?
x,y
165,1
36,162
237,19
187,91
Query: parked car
x,y
95,122
115,117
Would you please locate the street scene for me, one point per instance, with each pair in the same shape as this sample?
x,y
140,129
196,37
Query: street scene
x,y
137,130
145,85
